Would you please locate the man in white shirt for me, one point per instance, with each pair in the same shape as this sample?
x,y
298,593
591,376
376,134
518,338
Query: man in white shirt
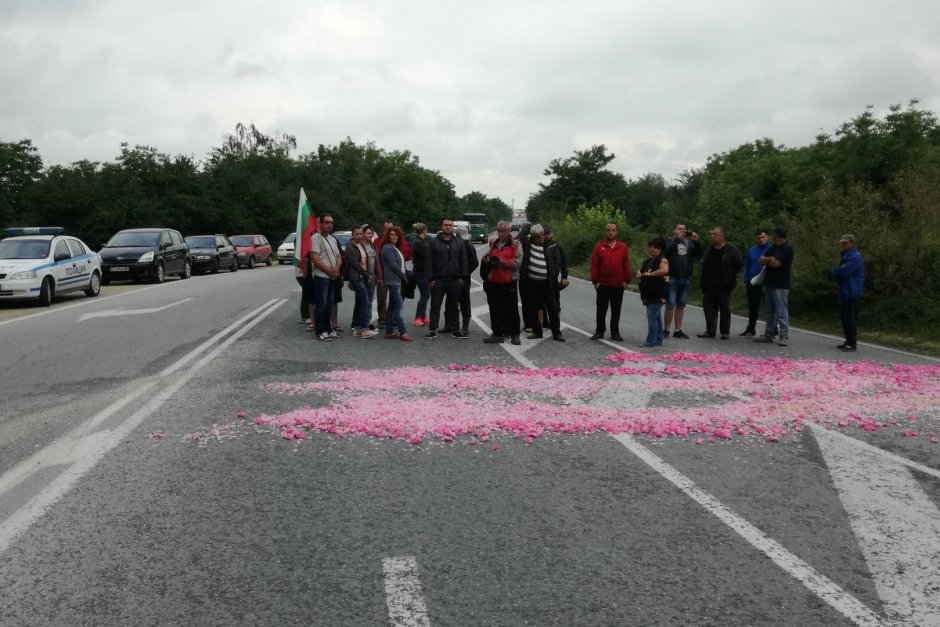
x,y
327,263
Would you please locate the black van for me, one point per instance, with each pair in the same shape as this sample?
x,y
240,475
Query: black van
x,y
141,254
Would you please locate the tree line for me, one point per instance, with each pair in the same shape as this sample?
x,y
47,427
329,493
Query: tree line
x,y
248,184
875,177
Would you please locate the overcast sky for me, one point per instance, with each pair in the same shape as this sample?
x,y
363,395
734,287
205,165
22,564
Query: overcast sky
x,y
486,92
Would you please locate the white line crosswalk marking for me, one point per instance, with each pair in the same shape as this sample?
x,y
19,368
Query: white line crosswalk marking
x,y
403,592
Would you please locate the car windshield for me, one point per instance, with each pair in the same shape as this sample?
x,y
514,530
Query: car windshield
x,y
127,239
241,240
24,248
342,238
201,241
290,238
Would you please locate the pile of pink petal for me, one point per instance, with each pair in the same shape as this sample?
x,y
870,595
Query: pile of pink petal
x,y
735,397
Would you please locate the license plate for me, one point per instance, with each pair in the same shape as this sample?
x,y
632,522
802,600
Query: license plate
x,y
120,269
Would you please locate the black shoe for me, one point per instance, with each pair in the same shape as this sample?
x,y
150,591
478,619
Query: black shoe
x,y
534,336
430,335
558,338
597,336
706,336
747,333
841,346
665,335
494,339
679,334
616,337
846,348
516,341
724,336
460,335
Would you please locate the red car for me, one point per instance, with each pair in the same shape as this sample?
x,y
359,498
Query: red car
x,y
252,249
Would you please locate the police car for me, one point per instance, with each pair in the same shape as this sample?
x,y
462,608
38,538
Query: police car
x,y
40,262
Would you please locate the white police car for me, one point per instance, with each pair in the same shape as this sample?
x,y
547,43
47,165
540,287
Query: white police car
x,y
40,262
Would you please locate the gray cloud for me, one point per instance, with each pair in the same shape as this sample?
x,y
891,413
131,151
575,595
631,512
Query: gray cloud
x,y
487,93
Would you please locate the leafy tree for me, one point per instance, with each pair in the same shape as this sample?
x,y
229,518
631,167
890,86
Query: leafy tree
x,y
579,180
20,168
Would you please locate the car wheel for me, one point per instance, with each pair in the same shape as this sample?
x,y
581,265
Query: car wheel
x,y
94,286
187,270
234,267
215,266
251,262
280,261
269,261
46,292
161,274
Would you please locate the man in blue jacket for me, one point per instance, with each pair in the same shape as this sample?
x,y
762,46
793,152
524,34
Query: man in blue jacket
x,y
755,293
850,280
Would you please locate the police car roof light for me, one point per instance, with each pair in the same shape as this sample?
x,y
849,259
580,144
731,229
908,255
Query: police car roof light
x,y
33,230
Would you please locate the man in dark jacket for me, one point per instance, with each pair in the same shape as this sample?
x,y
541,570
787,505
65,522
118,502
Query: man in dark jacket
x,y
778,261
472,264
850,281
720,265
446,265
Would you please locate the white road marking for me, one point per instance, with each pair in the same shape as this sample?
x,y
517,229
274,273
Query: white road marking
x,y
403,592
816,582
819,584
513,350
896,525
109,313
81,303
87,448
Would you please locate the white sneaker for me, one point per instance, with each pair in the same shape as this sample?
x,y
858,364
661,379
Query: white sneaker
x,y
367,333
333,334
326,337
356,331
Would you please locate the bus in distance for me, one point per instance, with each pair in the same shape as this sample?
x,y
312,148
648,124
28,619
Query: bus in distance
x,y
478,230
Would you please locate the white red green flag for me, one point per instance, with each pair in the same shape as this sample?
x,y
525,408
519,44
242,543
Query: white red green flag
x,y
306,225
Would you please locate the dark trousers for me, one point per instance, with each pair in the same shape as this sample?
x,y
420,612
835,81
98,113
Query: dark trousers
x,y
755,294
525,294
449,289
717,303
326,293
542,296
849,309
503,300
381,292
612,297
465,311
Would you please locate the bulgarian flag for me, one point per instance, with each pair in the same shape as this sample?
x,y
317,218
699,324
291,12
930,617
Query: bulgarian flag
x,y
306,225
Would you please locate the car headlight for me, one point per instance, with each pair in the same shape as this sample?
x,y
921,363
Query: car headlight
x,y
146,257
26,274
241,254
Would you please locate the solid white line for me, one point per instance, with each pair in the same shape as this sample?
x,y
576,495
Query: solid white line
x,y
91,448
816,582
896,525
182,361
403,594
864,446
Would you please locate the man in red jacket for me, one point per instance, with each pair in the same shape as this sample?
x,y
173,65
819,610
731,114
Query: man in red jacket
x,y
610,273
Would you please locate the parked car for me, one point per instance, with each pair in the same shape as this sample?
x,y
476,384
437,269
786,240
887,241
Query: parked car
x,y
285,252
342,238
211,253
252,249
138,254
40,262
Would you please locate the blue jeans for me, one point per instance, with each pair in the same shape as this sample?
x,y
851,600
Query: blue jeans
x,y
324,302
360,318
776,311
393,315
678,294
654,321
424,289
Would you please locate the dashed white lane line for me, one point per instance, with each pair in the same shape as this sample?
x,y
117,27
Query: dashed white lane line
x,y
403,594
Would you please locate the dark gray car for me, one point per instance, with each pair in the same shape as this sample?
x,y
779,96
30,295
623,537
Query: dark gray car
x,y
145,254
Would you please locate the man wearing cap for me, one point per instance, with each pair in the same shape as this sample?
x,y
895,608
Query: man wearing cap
x,y
850,282
540,264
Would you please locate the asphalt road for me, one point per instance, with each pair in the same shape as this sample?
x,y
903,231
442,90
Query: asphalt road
x,y
137,489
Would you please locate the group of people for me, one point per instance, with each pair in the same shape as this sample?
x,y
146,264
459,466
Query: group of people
x,y
532,267
665,278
